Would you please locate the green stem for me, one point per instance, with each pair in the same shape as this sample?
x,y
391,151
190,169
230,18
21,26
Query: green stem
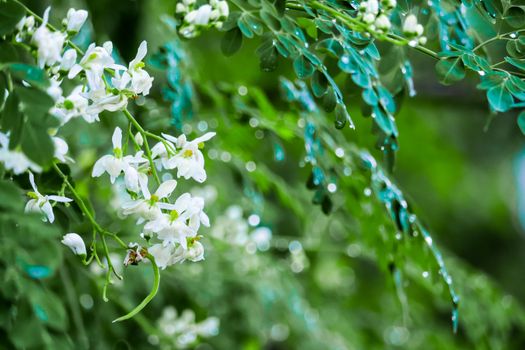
x,y
146,144
497,37
85,210
73,305
150,296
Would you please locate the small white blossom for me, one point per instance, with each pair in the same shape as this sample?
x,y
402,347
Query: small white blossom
x,y
61,149
72,106
95,60
40,203
189,160
75,19
115,164
69,59
74,242
411,27
383,23
49,43
150,207
135,78
54,90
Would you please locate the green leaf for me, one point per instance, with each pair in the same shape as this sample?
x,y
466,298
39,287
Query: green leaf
x,y
37,144
34,103
319,83
11,196
450,70
499,98
308,25
331,46
231,42
31,74
271,21
303,67
267,55
48,308
10,14
329,100
521,121
342,116
12,119
515,17
516,62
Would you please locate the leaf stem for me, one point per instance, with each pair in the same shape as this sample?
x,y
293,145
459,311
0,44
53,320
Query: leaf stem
x,y
150,296
85,210
146,143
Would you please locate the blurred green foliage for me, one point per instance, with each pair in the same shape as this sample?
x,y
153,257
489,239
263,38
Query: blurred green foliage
x,y
350,279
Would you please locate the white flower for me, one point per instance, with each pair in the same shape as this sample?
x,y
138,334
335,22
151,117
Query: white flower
x,y
61,149
188,209
180,8
223,8
116,164
40,203
369,18
194,253
139,139
95,60
170,230
75,19
54,90
372,7
15,160
49,43
161,153
74,105
68,59
74,242
26,23
201,16
411,27
383,23
135,79
189,161
162,255
104,100
150,207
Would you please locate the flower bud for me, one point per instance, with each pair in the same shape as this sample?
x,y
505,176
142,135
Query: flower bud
x,y
180,8
223,8
75,19
195,252
410,27
139,139
383,23
68,59
74,242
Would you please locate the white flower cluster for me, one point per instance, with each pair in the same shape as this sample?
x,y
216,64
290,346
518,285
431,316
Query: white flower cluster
x,y
233,228
107,86
174,225
184,330
375,16
98,94
196,18
413,30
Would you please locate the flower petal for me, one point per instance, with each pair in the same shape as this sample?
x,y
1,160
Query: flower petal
x,y
117,138
166,188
